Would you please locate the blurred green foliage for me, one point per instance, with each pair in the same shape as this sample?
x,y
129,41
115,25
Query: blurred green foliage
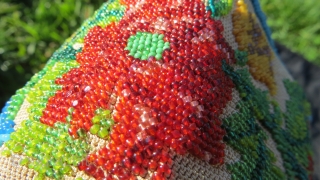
x,y
296,24
30,31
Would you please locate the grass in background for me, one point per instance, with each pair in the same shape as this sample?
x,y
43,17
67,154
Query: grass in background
x,y
296,24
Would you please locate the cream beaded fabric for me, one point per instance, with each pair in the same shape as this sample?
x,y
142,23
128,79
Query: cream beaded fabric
x,y
160,89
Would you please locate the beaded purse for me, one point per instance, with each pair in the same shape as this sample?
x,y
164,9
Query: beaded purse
x,y
160,89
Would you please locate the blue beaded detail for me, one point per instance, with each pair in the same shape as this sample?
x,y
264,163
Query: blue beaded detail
x,y
6,125
263,20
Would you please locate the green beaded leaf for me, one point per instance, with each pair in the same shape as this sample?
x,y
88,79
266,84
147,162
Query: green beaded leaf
x,y
245,134
144,45
241,57
66,53
50,151
297,107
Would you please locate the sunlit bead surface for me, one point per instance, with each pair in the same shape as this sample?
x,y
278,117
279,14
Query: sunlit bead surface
x,y
143,82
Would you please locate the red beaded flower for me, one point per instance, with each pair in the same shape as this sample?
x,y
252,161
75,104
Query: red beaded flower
x,y
157,105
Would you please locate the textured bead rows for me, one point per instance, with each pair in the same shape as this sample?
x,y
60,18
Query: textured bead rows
x,y
158,86
245,134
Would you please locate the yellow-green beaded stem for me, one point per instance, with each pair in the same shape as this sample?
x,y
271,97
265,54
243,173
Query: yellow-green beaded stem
x,y
102,123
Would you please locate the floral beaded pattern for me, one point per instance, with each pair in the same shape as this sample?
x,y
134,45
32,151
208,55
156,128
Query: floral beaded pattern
x,y
151,79
144,121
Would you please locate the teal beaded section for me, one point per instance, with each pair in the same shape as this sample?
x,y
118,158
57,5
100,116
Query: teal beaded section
x,y
245,134
66,53
47,88
241,57
219,7
144,45
50,151
102,123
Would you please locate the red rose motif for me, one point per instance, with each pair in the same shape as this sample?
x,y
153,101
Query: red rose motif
x,y
174,103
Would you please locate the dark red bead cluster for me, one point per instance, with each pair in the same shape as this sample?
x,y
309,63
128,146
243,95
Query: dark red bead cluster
x,y
171,104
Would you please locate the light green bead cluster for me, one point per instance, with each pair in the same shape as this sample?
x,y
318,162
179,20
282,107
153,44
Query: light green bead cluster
x,y
17,100
50,151
80,132
102,123
46,88
144,45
